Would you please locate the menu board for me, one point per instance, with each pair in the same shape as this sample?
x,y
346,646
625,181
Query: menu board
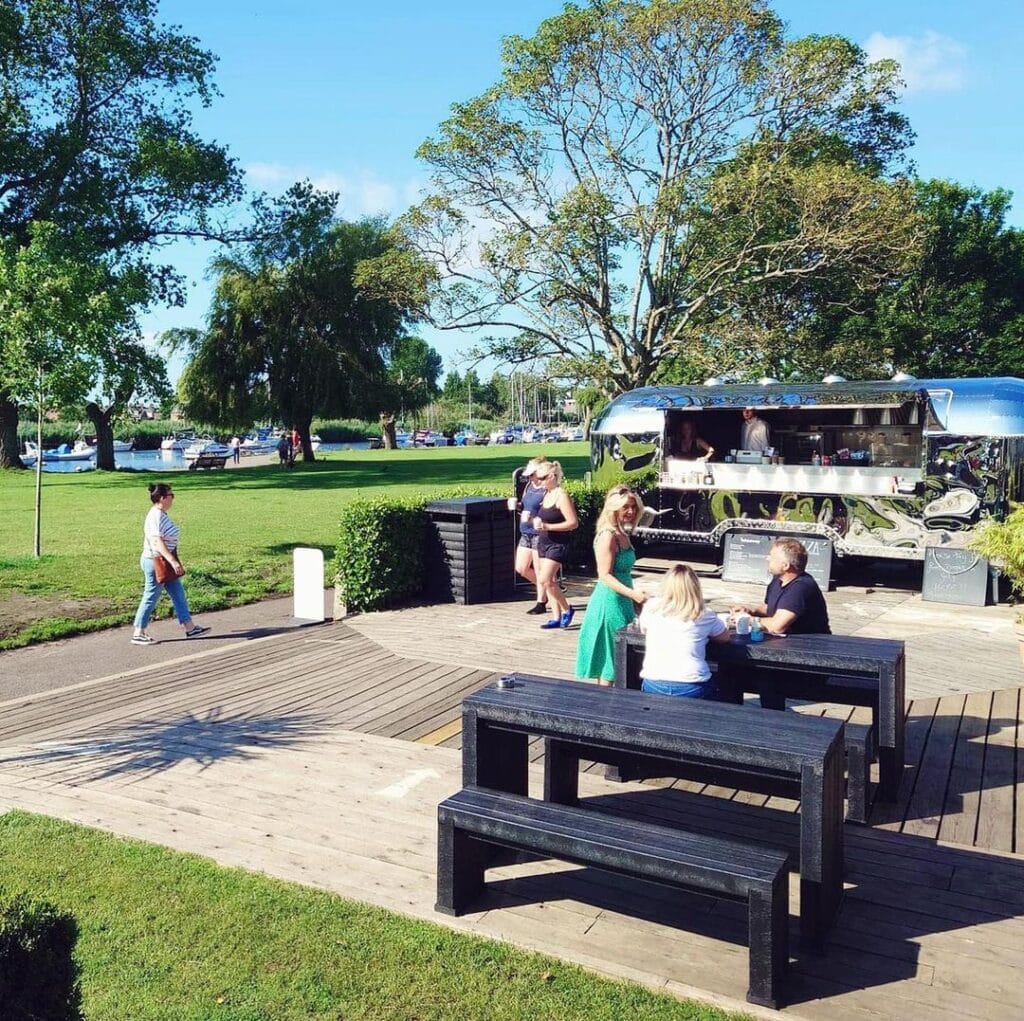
x,y
746,557
955,576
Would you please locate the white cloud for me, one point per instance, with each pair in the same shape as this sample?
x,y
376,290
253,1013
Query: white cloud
x,y
364,194
929,63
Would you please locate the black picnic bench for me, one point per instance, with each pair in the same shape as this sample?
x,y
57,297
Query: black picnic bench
x,y
800,757
844,669
209,461
473,821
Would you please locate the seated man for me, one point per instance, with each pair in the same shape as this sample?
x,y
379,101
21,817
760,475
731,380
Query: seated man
x,y
793,603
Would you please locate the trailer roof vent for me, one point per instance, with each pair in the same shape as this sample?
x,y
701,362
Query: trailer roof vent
x,y
834,378
903,377
766,381
713,381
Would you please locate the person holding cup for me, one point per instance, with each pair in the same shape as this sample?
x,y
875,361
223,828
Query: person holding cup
x,y
555,521
528,504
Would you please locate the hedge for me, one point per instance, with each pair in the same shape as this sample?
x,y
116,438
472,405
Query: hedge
x,y
38,975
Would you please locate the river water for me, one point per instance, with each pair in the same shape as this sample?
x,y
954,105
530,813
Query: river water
x,y
165,460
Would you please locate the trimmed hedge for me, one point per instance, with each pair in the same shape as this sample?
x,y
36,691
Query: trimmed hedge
x,y
380,553
38,975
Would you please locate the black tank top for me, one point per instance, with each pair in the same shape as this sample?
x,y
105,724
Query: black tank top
x,y
550,515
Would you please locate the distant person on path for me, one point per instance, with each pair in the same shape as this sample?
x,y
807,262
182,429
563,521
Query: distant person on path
x,y
555,522
793,603
678,627
296,444
160,539
528,505
754,433
236,449
613,601
284,451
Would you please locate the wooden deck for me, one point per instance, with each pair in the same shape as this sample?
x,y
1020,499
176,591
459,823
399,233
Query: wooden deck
x,y
281,755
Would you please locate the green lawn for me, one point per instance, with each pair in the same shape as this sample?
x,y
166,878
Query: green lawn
x,y
238,528
169,936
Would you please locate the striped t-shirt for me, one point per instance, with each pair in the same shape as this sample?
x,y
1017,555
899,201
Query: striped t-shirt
x,y
158,523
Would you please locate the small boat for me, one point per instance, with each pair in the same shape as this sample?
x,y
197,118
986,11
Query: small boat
x,y
81,451
314,442
206,448
264,441
123,446
179,440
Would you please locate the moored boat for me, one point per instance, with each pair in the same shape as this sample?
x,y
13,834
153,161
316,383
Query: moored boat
x,y
179,440
81,451
206,448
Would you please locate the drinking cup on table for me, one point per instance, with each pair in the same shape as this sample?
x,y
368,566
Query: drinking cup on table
x,y
742,624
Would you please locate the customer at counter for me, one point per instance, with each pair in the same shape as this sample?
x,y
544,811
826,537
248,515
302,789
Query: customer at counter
x,y
689,445
793,603
754,432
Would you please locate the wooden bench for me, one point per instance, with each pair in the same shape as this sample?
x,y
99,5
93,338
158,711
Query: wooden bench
x,y
209,461
473,820
845,669
799,756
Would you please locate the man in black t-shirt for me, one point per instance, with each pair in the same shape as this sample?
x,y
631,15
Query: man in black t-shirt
x,y
793,603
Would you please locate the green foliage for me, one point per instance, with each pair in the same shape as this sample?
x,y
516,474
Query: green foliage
x,y
588,502
1002,542
379,559
626,205
168,936
38,976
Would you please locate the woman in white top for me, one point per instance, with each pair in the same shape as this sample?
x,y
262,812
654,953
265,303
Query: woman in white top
x,y
678,626
160,539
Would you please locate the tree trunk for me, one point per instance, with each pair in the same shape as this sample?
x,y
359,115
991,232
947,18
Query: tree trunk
x,y
9,446
588,417
307,444
102,424
387,431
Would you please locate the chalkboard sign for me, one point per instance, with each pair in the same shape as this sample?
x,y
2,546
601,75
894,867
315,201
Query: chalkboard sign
x,y
955,576
746,557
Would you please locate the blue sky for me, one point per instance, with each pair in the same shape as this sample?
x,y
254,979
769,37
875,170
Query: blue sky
x,y
343,94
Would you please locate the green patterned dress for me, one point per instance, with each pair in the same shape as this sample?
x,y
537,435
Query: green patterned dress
x,y
607,612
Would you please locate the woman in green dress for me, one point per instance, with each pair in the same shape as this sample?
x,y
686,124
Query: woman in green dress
x,y
614,600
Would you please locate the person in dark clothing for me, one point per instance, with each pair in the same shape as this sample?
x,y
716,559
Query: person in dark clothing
x,y
793,603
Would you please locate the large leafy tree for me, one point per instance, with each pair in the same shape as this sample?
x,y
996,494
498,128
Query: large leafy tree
x,y
304,319
96,139
641,169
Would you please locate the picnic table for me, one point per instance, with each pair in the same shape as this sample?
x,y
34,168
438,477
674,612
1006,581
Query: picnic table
x,y
796,755
845,669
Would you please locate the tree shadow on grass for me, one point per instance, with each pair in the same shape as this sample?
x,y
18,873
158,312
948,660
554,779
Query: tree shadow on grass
x,y
147,747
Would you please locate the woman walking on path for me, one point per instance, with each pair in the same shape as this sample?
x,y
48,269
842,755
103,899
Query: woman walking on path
x,y
555,521
678,627
612,603
527,558
160,539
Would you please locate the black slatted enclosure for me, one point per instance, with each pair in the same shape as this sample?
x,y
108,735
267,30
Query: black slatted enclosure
x,y
470,550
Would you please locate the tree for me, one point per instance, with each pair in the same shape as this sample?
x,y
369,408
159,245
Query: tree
x,y
96,140
410,383
294,330
641,167
55,311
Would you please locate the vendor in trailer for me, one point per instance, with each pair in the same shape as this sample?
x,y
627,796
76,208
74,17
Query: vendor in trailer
x,y
754,432
689,445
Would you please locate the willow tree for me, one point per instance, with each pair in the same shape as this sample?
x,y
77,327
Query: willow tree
x,y
294,329
641,168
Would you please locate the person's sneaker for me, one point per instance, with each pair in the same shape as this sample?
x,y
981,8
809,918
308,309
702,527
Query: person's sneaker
x,y
566,618
142,640
196,631
549,625
538,608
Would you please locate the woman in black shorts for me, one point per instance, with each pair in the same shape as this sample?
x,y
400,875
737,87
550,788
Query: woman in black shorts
x,y
555,522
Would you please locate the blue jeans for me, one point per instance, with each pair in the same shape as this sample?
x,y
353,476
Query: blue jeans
x,y
151,596
698,689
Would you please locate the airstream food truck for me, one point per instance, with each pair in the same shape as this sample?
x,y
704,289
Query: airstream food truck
x,y
881,469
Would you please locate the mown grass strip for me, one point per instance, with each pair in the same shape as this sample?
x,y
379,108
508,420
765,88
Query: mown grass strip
x,y
165,936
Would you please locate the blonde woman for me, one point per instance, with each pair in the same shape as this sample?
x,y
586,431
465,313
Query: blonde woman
x,y
528,504
612,603
678,627
555,522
